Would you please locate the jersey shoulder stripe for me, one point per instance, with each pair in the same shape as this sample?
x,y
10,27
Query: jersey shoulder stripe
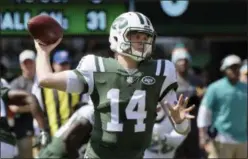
x,y
85,71
161,69
99,64
165,68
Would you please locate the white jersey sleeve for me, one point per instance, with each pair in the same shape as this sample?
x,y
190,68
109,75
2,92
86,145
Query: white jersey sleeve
x,y
170,82
36,90
81,80
204,117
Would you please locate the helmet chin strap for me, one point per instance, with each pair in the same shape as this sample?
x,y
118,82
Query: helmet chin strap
x,y
135,58
133,54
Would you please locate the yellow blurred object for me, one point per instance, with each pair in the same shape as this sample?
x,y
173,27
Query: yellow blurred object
x,y
36,150
200,91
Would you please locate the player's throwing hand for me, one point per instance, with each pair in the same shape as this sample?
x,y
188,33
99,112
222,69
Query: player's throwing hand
x,y
45,48
179,112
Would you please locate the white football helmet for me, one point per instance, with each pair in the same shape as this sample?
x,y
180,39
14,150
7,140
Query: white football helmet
x,y
119,32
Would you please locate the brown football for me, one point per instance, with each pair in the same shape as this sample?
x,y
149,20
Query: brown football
x,y
45,29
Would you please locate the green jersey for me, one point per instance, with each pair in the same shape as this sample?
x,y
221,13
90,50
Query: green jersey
x,y
125,104
5,133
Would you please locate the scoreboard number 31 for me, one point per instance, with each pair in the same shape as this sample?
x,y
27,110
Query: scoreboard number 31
x,y
96,20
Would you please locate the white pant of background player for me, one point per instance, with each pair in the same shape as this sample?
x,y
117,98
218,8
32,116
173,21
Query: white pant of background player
x,y
165,148
7,150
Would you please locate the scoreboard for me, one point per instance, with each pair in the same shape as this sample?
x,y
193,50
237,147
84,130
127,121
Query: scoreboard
x,y
94,17
88,18
203,17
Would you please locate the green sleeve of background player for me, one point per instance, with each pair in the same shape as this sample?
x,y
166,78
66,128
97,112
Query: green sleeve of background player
x,y
56,149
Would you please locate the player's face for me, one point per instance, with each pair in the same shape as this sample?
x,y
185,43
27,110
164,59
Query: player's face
x,y
139,40
28,67
182,65
233,72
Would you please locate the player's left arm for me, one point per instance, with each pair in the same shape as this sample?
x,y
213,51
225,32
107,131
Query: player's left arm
x,y
176,109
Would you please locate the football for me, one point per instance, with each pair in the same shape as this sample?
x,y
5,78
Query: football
x,y
45,29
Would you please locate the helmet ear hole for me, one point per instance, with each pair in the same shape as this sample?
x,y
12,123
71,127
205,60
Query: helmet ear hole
x,y
116,39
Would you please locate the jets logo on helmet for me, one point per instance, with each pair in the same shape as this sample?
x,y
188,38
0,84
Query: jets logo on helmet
x,y
120,22
126,24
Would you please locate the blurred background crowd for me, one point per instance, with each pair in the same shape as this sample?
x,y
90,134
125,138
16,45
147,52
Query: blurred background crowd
x,y
204,58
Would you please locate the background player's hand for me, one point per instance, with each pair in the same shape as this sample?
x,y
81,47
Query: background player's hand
x,y
47,49
179,112
44,138
13,108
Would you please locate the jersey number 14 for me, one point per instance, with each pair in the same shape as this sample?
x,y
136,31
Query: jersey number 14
x,y
138,99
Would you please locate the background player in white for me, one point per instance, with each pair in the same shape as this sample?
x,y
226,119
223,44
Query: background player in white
x,y
23,101
165,139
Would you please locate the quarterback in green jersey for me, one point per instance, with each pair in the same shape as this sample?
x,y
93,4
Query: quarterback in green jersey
x,y
125,91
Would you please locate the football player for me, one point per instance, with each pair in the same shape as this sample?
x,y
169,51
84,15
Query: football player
x,y
70,140
124,90
23,102
165,139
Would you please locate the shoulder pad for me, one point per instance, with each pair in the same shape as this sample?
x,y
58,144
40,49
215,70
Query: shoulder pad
x,y
164,67
87,63
169,68
100,64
